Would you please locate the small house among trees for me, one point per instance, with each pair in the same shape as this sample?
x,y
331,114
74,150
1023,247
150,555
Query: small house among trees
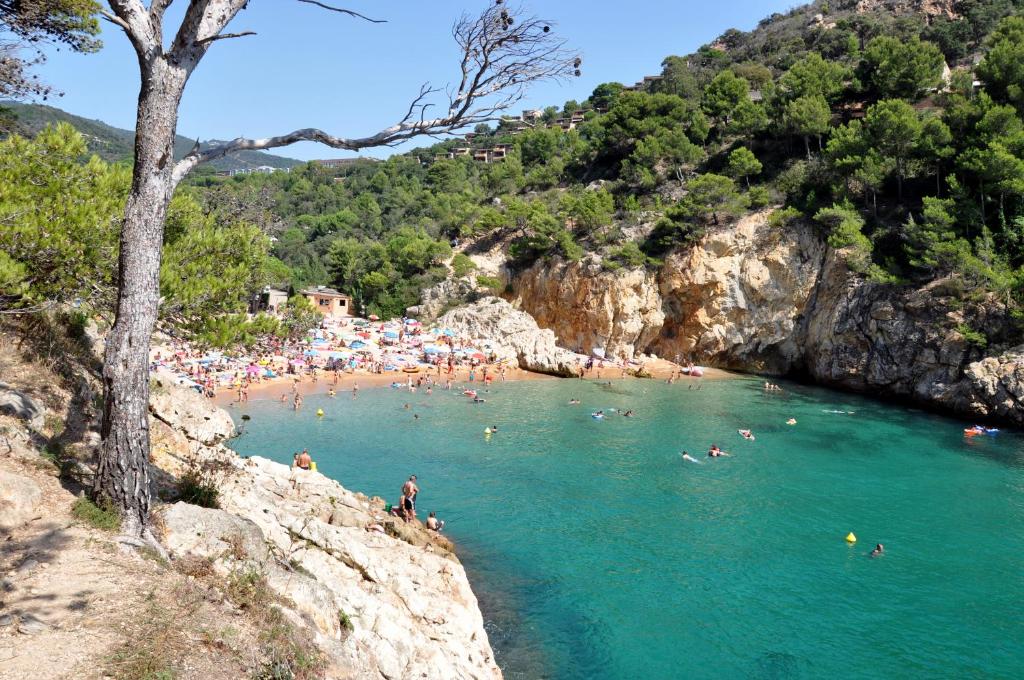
x,y
329,302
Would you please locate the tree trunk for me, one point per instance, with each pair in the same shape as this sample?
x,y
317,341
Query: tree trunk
x,y
807,146
123,475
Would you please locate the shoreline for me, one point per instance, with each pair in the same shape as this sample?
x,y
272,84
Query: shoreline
x,y
272,389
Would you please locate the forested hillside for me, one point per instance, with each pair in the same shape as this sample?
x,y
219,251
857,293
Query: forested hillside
x,y
895,125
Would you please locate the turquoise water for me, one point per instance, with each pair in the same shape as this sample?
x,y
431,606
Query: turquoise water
x,y
596,552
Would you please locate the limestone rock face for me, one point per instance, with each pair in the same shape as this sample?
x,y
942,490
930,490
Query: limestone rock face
x,y
996,386
587,307
412,611
435,299
19,499
513,335
188,412
22,406
738,298
753,297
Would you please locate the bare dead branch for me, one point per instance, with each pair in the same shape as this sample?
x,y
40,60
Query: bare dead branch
x,y
349,12
116,20
502,54
224,36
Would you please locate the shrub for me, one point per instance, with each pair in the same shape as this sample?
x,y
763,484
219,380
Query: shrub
x,y
491,283
629,254
345,621
195,488
102,516
972,337
758,197
462,264
782,218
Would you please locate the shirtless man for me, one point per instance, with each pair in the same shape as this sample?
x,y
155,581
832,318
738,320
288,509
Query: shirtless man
x,y
304,461
409,491
434,524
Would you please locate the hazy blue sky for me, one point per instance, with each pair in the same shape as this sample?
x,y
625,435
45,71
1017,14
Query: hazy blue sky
x,y
312,68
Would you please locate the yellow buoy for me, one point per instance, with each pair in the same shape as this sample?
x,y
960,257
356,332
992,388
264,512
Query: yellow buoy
x,y
850,538
320,413
487,431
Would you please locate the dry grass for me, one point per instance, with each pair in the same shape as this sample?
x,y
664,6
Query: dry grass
x,y
177,631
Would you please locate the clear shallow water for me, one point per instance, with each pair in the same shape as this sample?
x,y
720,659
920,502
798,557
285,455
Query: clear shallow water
x,y
596,552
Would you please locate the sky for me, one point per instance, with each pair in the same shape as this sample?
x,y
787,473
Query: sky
x,y
307,67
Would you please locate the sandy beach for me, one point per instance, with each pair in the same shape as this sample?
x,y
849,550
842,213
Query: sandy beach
x,y
273,388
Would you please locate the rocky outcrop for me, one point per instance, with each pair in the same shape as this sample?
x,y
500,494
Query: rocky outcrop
x,y
19,500
995,386
736,300
512,335
20,405
441,296
187,411
383,598
759,298
590,308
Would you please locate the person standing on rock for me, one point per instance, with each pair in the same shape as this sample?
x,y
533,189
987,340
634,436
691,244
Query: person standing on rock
x,y
410,490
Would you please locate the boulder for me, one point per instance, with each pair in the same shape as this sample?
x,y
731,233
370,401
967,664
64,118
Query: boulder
x,y
187,411
19,500
214,534
513,335
20,405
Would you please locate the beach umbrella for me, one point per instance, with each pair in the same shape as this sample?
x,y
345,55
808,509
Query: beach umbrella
x,y
448,331
358,344
374,317
479,355
311,353
253,370
297,362
390,334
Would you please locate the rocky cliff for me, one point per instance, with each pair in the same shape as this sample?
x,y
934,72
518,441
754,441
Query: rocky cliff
x,y
382,598
374,596
759,298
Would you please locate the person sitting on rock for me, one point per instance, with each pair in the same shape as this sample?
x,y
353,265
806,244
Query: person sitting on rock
x,y
434,524
304,461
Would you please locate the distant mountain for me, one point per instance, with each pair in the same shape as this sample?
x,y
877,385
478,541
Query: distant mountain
x,y
116,145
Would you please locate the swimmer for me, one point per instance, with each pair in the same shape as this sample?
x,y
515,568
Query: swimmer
x,y
628,414
330,393
791,421
574,402
877,552
715,452
747,434
690,459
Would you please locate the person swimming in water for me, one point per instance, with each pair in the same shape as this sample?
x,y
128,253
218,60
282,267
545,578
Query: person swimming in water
x,y
690,459
715,452
747,434
879,549
574,402
791,421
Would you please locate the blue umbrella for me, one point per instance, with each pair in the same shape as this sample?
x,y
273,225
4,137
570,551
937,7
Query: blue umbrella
x,y
311,353
390,334
358,344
